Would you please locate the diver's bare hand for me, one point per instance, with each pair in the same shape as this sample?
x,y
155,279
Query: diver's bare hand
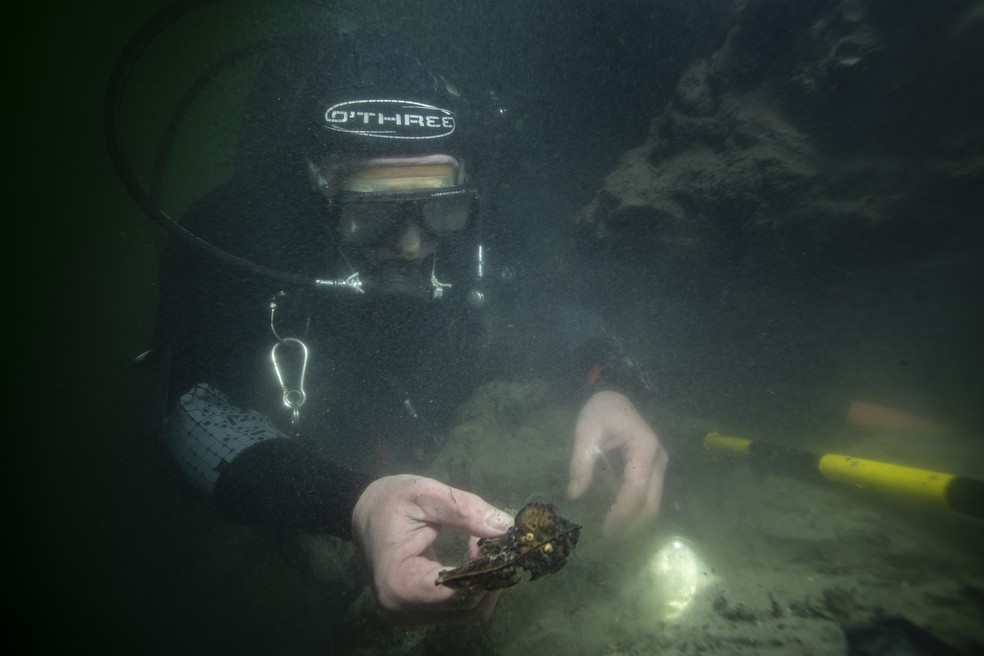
x,y
609,422
396,521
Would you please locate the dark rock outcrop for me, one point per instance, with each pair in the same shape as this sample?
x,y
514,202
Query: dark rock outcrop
x,y
816,125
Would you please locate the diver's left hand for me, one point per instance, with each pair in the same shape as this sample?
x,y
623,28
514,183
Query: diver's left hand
x,y
609,422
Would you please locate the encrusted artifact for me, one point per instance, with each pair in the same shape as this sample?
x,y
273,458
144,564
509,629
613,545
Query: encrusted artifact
x,y
539,543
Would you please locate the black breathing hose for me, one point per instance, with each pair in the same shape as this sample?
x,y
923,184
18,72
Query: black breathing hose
x,y
111,125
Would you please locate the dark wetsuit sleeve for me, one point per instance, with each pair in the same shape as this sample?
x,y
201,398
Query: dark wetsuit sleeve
x,y
282,485
596,358
214,322
255,474
601,364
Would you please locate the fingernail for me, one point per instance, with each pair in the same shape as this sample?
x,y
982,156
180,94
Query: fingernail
x,y
498,520
574,489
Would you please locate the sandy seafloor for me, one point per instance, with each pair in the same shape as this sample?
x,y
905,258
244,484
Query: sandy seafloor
x,y
741,562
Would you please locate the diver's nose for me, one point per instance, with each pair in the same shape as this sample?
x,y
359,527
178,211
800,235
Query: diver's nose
x,y
410,241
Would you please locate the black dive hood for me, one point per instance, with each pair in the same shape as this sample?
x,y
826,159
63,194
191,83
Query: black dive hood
x,y
370,95
367,95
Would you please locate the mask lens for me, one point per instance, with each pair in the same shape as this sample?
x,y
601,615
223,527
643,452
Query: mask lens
x,y
361,223
364,221
447,214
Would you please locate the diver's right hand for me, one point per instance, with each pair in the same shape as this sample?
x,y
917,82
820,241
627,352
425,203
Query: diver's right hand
x,y
395,523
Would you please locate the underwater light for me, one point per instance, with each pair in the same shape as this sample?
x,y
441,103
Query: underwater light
x,y
672,577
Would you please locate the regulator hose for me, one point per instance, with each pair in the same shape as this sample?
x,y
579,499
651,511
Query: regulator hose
x,y
122,69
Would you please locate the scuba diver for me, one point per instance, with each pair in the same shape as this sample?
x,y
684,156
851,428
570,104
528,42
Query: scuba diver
x,y
307,408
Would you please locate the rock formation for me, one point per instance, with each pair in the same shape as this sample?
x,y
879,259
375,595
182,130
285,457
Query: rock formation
x,y
814,126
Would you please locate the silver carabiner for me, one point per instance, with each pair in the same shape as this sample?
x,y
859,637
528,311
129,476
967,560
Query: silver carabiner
x,y
437,286
294,397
